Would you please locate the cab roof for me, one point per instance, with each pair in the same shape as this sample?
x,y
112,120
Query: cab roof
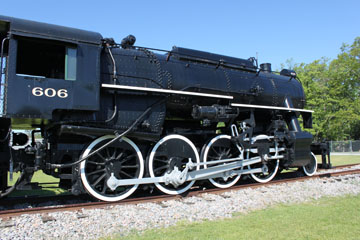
x,y
49,31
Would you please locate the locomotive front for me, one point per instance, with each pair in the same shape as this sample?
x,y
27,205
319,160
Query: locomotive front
x,y
114,116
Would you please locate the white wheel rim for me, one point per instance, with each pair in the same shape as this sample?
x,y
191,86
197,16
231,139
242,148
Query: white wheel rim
x,y
85,182
269,177
272,175
151,160
206,152
310,173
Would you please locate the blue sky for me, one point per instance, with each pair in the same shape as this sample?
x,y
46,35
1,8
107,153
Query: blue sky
x,y
277,30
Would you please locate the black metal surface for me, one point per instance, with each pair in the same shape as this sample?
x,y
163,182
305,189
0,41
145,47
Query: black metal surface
x,y
322,149
4,152
82,94
301,146
265,67
74,110
288,72
36,29
211,58
86,131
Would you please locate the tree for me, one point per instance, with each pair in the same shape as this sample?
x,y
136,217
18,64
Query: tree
x,y
332,89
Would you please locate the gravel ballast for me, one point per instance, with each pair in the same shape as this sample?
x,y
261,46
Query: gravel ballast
x,y
95,223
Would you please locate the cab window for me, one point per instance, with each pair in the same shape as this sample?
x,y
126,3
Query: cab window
x,y
46,59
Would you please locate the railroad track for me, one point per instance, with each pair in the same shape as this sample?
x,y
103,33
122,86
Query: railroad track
x,y
88,204
339,167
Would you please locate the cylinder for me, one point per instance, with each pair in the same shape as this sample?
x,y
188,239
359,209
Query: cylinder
x,y
265,67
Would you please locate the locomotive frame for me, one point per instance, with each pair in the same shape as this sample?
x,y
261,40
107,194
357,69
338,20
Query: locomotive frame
x,y
116,116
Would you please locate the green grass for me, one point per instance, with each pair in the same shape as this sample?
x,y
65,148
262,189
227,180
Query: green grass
x,y
40,177
337,160
328,218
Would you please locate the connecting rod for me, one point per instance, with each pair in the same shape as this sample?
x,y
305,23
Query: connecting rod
x,y
177,177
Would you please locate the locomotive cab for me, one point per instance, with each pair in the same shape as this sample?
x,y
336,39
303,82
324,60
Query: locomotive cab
x,y
47,72
50,69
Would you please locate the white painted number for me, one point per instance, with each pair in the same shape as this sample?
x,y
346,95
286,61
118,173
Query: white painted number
x,y
37,91
49,92
62,93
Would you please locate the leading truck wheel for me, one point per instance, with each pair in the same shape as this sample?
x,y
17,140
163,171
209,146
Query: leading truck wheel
x,y
311,167
122,158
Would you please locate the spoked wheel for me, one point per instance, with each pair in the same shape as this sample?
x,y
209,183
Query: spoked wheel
x,y
271,167
219,148
122,158
170,152
310,168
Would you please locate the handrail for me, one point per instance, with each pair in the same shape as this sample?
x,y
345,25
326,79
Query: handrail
x,y
2,82
2,52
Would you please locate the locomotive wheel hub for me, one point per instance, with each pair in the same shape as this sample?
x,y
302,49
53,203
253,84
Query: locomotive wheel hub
x,y
112,166
175,162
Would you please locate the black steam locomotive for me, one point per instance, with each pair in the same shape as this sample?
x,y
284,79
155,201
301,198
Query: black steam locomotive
x,y
116,116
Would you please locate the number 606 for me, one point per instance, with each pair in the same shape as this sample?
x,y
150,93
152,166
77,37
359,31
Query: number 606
x,y
49,92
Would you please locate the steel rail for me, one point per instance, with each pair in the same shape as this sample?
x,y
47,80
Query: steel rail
x,y
6,214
